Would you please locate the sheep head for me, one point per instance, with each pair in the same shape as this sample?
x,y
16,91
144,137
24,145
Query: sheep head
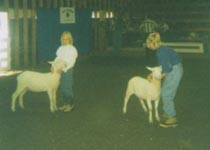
x,y
156,72
57,65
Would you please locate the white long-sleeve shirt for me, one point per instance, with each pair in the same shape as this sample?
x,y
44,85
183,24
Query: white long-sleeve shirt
x,y
69,54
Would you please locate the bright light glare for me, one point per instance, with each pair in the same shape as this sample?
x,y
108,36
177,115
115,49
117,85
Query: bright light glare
x,y
107,14
3,30
93,14
3,55
102,14
3,64
4,42
111,14
97,15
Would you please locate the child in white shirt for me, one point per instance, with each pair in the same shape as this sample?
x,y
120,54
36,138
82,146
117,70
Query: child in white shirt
x,y
68,53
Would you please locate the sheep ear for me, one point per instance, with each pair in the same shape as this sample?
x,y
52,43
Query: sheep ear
x,y
149,68
50,62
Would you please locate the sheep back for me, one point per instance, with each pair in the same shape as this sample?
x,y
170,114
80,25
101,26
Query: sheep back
x,y
144,89
38,82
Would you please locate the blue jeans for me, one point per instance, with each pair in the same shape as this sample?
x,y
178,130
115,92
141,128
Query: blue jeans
x,y
66,86
169,89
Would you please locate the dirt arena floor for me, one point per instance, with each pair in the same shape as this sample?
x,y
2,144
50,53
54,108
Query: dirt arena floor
x,y
97,122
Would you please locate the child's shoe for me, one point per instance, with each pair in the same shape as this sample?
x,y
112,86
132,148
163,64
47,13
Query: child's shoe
x,y
68,108
169,123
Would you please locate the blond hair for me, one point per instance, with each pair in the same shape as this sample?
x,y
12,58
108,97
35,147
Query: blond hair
x,y
154,38
68,35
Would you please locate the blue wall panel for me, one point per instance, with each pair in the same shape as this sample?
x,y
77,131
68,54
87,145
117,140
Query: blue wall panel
x,y
49,31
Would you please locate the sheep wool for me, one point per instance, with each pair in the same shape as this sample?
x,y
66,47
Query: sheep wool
x,y
146,90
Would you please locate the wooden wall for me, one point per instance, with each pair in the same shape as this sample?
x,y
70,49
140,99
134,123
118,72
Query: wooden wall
x,y
22,22
183,17
189,16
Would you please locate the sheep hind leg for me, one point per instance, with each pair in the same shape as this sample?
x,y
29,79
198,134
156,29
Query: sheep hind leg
x,y
126,99
16,94
156,110
21,104
150,110
129,92
143,105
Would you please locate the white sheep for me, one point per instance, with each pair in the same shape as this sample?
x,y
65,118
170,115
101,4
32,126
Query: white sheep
x,y
39,82
144,89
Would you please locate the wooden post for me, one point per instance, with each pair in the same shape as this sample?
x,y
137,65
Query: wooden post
x,y
6,5
87,3
95,25
104,5
61,4
49,3
17,34
55,3
109,8
34,35
84,4
68,3
25,33
41,3
74,3
100,28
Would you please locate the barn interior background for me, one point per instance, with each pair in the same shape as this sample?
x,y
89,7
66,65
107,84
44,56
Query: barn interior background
x,y
35,25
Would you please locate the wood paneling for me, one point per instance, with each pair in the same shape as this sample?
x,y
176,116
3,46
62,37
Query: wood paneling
x,y
34,35
25,33
16,34
188,16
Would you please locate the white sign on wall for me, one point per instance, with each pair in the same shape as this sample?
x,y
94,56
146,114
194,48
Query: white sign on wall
x,y
67,15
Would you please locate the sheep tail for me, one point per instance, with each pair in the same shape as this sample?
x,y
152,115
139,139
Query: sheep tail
x,y
9,73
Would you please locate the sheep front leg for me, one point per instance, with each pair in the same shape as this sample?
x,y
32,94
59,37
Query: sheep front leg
x,y
50,94
156,110
54,100
150,110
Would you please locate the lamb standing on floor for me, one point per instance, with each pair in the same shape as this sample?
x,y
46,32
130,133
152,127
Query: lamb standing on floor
x,y
148,90
39,82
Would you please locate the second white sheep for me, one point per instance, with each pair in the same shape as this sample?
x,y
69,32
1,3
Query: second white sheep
x,y
146,90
